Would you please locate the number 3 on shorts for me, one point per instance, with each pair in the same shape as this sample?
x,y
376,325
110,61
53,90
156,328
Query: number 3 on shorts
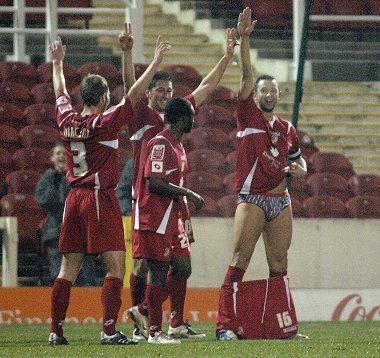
x,y
80,166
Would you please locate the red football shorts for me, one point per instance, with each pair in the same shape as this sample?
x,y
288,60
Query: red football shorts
x,y
92,222
150,245
180,242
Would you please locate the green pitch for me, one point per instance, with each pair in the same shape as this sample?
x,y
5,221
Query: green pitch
x,y
327,339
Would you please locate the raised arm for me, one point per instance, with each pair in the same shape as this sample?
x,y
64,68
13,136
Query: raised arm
x,y
57,51
245,27
209,83
140,86
128,70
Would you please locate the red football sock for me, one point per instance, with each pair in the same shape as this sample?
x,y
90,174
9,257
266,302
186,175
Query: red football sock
x,y
277,274
234,274
177,293
137,287
60,298
111,302
155,297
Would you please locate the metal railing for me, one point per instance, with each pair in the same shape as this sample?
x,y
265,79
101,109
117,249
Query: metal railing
x,y
51,29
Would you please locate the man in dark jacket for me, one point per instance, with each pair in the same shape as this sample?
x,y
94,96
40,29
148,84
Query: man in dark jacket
x,y
51,192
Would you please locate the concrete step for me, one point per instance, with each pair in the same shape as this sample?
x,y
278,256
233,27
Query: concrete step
x,y
175,28
160,19
334,86
309,116
353,148
184,57
345,138
341,127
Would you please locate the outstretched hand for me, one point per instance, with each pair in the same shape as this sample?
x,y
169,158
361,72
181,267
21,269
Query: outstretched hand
x,y
245,25
161,48
231,41
57,50
126,38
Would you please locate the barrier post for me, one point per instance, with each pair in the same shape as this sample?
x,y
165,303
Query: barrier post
x,y
127,224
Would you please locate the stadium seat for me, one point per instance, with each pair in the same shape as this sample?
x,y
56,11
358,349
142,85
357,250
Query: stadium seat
x,y
32,158
29,215
365,184
300,189
39,135
18,71
364,206
227,205
332,162
330,184
231,160
180,90
109,72
210,138
209,209
323,206
117,94
184,74
307,145
15,93
224,97
205,183
6,167
271,13
140,69
45,74
228,182
43,93
9,138
41,113
22,181
11,115
358,7
297,208
215,117
207,160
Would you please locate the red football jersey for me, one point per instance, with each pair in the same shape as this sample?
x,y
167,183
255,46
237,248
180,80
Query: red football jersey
x,y
263,149
166,159
91,142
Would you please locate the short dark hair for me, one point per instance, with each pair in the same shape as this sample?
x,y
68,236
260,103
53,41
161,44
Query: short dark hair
x,y
159,76
178,108
262,77
92,88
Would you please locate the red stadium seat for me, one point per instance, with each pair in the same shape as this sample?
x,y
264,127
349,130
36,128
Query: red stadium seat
x,y
273,13
6,165
32,158
365,184
109,72
300,189
15,93
229,181
210,138
364,206
357,7
41,113
232,160
45,74
227,205
205,183
297,208
223,97
184,74
181,90
11,115
330,184
307,145
18,71
43,93
209,209
9,138
332,162
322,206
216,117
140,69
207,160
22,181
76,98
117,94
29,215
39,135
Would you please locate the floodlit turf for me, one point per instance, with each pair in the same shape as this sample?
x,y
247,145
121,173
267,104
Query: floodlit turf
x,y
327,339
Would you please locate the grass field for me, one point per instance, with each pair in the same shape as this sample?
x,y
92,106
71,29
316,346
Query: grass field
x,y
327,339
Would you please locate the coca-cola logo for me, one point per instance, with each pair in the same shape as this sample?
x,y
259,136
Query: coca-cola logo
x,y
352,307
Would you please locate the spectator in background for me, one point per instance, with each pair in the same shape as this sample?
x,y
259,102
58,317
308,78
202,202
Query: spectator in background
x,y
124,189
51,192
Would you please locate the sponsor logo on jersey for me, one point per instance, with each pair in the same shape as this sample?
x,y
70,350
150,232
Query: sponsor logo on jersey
x,y
62,100
157,166
158,152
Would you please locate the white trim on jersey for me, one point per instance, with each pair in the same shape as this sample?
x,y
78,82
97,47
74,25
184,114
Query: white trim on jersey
x,y
136,226
290,125
95,121
246,188
110,143
65,118
97,181
97,203
265,301
287,289
164,223
249,131
234,298
169,171
140,133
